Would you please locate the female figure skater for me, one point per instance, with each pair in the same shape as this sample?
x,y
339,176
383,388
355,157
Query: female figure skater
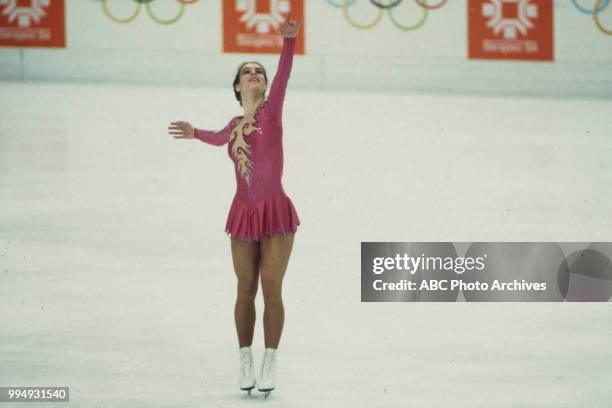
x,y
262,220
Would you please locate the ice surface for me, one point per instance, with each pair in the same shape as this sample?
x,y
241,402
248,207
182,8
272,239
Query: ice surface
x,y
116,277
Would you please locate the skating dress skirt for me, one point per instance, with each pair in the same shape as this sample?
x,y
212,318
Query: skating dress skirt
x,y
260,207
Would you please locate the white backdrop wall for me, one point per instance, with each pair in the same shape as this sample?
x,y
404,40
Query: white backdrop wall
x,y
338,56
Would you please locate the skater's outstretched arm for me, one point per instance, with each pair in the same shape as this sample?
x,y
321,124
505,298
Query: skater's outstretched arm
x,y
289,31
184,130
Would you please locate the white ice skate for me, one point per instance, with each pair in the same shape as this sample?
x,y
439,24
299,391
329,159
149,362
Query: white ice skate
x,y
267,378
247,370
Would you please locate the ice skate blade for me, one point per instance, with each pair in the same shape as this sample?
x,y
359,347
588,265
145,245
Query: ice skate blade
x,y
266,392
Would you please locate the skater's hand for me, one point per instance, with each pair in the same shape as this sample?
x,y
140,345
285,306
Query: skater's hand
x,y
181,130
290,29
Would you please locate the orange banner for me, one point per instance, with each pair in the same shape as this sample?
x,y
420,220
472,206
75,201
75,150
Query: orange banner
x,y
510,29
32,23
251,26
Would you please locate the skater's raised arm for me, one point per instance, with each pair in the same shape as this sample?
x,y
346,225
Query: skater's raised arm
x,y
289,31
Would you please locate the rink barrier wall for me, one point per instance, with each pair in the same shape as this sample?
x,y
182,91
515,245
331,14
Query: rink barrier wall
x,y
559,78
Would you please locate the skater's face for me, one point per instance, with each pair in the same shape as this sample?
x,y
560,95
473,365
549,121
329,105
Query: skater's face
x,y
251,77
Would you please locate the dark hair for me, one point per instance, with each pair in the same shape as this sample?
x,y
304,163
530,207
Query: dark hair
x,y
237,79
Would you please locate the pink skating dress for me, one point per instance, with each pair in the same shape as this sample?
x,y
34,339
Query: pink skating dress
x,y
260,207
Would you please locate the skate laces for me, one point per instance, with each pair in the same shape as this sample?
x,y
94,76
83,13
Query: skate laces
x,y
245,362
267,364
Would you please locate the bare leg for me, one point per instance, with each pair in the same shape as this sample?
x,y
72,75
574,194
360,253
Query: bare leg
x,y
275,253
245,255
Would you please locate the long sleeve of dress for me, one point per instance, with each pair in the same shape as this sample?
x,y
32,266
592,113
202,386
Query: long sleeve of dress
x,y
216,138
279,84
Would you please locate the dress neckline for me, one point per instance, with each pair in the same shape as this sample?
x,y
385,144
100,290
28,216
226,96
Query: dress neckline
x,y
256,113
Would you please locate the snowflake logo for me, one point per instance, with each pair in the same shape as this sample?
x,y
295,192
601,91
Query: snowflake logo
x,y
510,16
14,9
262,21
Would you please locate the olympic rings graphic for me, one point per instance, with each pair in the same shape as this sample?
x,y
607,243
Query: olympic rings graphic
x,y
435,6
596,11
394,3
169,21
598,8
389,7
418,25
590,12
371,24
350,3
147,3
119,20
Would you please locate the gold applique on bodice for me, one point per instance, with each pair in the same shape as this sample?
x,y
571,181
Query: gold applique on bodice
x,y
241,150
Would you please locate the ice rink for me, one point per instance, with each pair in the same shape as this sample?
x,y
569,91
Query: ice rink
x,y
116,277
